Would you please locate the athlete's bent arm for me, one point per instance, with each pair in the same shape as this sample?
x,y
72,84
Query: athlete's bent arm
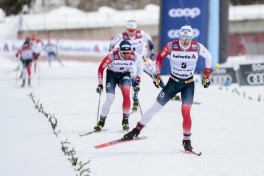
x,y
107,60
163,53
207,56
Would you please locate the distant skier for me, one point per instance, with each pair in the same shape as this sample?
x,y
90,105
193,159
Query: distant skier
x,y
26,57
183,59
37,48
140,42
51,50
118,62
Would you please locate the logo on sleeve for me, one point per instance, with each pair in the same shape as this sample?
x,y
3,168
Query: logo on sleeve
x,y
116,56
194,47
132,57
175,46
125,36
163,53
105,64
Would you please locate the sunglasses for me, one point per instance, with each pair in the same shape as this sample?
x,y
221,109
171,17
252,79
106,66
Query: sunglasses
x,y
131,30
185,37
124,52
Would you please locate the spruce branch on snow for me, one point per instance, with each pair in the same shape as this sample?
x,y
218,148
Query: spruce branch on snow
x,y
65,149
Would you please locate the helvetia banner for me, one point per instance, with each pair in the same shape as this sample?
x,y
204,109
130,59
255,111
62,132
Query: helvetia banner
x,y
63,47
177,13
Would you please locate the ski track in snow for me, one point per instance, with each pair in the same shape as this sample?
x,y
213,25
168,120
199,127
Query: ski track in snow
x,y
226,128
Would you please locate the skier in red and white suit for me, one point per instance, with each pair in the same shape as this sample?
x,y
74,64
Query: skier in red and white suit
x,y
183,55
37,48
118,62
141,43
26,53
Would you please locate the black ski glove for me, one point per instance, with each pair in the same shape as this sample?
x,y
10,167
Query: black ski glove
x,y
136,87
99,88
206,81
157,80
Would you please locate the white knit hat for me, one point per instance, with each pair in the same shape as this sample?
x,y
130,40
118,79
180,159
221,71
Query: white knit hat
x,y
131,25
186,30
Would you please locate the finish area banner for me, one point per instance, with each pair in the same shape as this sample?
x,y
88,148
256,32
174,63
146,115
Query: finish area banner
x,y
177,13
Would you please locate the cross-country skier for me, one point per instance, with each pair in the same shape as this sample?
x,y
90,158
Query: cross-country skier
x,y
38,45
118,63
183,59
26,57
141,43
51,50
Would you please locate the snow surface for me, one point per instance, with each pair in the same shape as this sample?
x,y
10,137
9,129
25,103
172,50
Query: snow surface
x,y
227,128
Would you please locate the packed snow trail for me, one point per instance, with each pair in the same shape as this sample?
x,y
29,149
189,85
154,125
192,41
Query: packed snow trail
x,y
226,128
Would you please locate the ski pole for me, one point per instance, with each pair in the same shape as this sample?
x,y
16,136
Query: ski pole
x,y
139,105
216,66
98,107
16,78
145,62
17,69
38,73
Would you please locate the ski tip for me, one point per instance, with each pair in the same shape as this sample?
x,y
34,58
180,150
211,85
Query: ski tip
x,y
192,153
133,112
81,135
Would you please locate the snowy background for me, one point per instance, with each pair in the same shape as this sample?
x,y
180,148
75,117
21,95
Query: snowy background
x,y
227,128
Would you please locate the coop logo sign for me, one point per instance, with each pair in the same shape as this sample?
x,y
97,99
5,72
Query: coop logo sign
x,y
255,79
175,33
187,12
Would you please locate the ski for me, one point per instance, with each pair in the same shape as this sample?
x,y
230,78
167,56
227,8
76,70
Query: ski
x,y
192,153
119,141
123,131
194,102
133,112
91,132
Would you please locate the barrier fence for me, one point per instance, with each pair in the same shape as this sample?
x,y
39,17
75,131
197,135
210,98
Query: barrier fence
x,y
64,47
246,75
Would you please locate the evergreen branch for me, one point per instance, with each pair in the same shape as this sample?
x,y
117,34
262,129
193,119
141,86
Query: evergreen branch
x,y
65,149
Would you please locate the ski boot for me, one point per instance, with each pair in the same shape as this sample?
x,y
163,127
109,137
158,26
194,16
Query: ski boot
x,y
129,136
176,98
187,145
125,123
100,124
29,82
23,83
135,104
21,75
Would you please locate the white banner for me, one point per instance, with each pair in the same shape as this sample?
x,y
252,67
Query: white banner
x,y
10,47
83,47
64,47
